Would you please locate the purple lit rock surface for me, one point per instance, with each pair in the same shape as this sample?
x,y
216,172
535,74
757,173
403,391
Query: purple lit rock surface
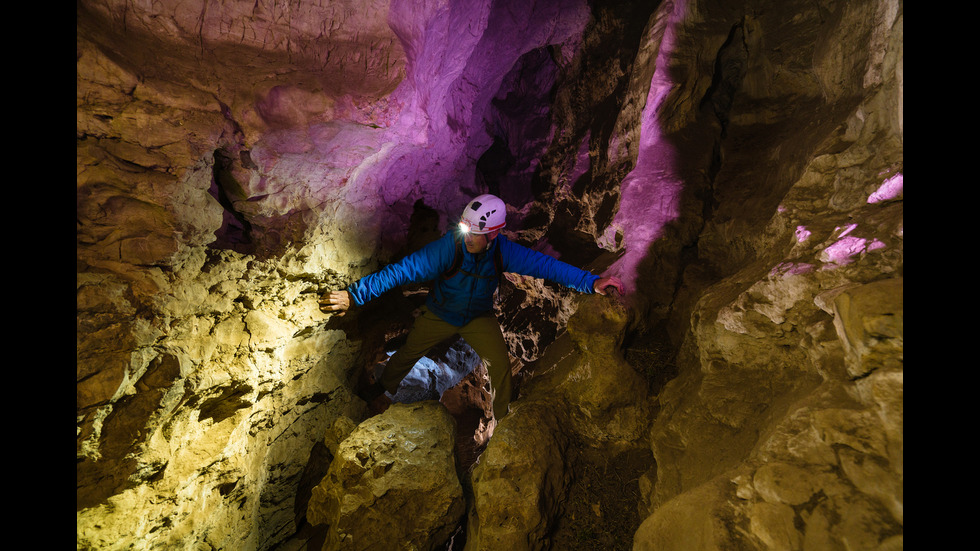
x,y
423,140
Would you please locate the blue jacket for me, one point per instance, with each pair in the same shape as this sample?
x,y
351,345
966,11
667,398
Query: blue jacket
x,y
468,293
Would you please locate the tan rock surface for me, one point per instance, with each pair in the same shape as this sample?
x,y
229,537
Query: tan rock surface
x,y
398,462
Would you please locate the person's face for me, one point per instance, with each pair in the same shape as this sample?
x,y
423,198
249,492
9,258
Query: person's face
x,y
477,243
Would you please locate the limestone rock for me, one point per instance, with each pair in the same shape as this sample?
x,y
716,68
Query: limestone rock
x,y
790,371
869,321
520,481
784,483
398,462
588,378
182,415
585,392
338,431
698,520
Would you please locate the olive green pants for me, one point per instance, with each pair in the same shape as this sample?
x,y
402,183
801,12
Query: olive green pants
x,y
482,334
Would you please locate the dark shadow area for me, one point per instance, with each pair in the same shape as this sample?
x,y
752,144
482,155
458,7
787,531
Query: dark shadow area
x,y
235,232
590,103
519,122
316,468
241,231
652,355
601,510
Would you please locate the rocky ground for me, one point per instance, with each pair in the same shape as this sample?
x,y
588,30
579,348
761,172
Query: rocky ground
x,y
601,512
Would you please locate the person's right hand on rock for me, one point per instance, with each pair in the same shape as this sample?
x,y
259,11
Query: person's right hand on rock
x,y
335,302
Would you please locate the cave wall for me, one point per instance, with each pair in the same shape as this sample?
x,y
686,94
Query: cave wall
x,y
784,426
736,165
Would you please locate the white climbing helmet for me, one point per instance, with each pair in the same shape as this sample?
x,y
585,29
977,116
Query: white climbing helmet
x,y
485,214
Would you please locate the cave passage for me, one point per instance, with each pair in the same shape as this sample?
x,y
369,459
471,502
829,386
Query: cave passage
x,y
738,165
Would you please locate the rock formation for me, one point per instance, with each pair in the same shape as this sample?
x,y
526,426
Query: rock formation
x,y
392,482
738,164
583,394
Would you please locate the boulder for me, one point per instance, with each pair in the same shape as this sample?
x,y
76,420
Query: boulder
x,y
520,481
400,461
869,320
586,393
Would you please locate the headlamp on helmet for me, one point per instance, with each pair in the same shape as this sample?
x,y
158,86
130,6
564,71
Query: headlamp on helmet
x,y
485,214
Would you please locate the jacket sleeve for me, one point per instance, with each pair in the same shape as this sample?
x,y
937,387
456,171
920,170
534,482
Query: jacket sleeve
x,y
519,259
423,265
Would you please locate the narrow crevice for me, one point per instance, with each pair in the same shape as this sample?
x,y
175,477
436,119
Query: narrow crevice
x,y
729,72
235,232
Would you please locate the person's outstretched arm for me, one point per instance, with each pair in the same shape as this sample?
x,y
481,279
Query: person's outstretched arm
x,y
423,265
522,260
